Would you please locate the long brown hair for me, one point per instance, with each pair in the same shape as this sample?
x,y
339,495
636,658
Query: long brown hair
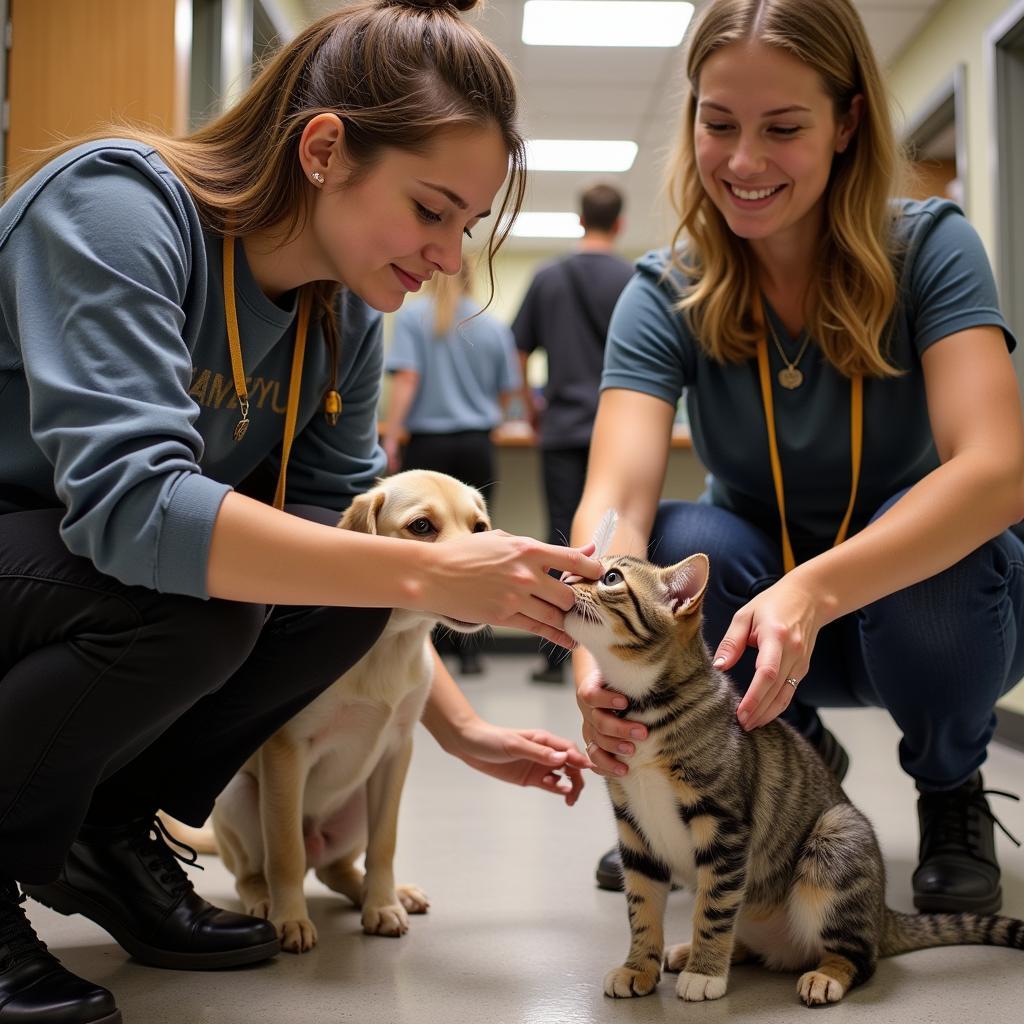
x,y
397,73
848,311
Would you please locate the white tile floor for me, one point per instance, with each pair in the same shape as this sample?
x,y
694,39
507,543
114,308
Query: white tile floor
x,y
517,931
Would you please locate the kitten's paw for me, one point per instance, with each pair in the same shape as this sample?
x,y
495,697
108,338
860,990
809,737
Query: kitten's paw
x,y
816,989
695,988
676,957
298,936
625,982
390,919
413,898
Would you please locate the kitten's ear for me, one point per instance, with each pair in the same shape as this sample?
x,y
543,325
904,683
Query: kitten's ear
x,y
686,582
361,515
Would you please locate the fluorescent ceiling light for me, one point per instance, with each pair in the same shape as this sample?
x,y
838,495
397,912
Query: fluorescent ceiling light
x,y
547,225
580,154
605,22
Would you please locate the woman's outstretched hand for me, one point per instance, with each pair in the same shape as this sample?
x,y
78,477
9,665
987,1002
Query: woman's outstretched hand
x,y
608,737
503,580
524,757
782,622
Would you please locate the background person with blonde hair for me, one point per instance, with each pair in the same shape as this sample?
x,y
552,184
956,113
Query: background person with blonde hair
x,y
850,391
453,372
182,320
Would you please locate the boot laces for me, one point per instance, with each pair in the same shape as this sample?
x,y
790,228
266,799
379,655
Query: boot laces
x,y
18,939
955,822
155,845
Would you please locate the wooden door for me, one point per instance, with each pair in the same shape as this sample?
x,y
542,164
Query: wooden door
x,y
76,65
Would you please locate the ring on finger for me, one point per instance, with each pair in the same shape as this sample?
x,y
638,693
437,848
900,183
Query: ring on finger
x,y
792,681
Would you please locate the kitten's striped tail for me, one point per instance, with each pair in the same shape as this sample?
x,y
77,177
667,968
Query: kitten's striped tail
x,y
903,933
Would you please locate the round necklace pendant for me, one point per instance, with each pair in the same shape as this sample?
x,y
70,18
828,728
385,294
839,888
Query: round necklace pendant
x,y
790,378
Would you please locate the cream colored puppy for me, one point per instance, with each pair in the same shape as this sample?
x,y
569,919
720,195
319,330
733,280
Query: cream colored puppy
x,y
325,789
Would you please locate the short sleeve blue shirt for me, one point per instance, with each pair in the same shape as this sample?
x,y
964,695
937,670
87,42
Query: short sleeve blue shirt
x,y
462,374
946,285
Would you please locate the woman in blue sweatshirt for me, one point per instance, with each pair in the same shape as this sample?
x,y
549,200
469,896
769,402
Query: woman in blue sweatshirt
x,y
182,321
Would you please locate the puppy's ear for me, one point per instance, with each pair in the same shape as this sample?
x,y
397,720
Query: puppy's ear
x,y
361,515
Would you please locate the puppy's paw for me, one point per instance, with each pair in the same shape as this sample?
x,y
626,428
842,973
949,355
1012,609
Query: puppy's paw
x,y
695,988
390,919
414,899
259,908
676,957
817,989
297,936
625,982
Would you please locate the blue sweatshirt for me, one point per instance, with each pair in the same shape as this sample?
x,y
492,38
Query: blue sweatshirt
x,y
116,394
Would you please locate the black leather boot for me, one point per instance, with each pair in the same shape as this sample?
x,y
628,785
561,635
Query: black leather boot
x,y
35,988
957,870
128,880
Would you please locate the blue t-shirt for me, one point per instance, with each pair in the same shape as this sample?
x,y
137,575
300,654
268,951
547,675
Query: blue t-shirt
x,y
116,392
946,285
461,374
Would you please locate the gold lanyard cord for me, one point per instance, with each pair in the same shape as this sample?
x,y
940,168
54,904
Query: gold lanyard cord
x,y
294,386
234,341
238,368
856,442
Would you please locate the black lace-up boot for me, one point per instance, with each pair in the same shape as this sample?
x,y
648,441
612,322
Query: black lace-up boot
x,y
130,882
957,870
34,986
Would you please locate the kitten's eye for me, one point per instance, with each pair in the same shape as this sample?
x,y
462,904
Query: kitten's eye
x,y
421,527
612,577
480,528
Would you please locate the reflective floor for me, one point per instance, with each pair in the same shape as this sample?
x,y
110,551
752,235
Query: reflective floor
x,y
518,933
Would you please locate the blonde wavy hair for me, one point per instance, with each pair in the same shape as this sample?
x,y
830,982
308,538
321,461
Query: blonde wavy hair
x,y
446,291
397,72
849,306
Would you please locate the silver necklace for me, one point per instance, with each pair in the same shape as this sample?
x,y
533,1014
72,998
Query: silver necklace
x,y
789,376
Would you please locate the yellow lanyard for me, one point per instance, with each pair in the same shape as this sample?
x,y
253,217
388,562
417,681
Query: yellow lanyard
x,y
238,369
856,441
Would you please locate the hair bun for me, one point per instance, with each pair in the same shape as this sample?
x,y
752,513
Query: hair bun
x,y
428,5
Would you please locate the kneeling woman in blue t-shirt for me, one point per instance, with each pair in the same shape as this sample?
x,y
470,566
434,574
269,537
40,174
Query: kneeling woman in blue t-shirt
x,y
850,390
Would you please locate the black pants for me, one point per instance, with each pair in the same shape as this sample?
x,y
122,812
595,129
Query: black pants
x,y
467,455
117,700
564,472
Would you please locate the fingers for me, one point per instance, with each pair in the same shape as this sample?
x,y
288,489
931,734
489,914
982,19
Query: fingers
x,y
594,694
570,784
573,560
604,764
776,678
559,747
735,641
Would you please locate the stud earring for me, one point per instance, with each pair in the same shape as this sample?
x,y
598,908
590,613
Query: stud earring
x,y
317,177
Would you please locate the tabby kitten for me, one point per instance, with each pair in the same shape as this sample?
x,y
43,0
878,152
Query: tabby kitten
x,y
785,869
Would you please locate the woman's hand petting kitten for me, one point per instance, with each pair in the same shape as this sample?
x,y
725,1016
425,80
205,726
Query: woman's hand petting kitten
x,y
782,622
608,737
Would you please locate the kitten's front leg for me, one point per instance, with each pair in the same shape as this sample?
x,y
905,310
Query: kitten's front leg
x,y
720,846
647,884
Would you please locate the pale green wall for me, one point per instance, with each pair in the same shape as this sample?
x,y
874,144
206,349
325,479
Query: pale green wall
x,y
957,34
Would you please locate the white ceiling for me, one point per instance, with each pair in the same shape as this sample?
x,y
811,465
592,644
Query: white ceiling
x,y
623,93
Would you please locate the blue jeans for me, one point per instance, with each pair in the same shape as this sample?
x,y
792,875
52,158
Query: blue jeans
x,y
937,655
